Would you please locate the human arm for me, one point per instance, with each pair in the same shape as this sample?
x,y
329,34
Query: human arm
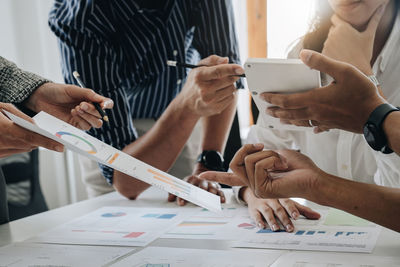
x,y
207,92
391,127
287,173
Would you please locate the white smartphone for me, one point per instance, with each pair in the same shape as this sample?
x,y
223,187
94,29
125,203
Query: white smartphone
x,y
279,76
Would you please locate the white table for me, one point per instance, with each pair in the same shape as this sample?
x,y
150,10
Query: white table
x,y
388,243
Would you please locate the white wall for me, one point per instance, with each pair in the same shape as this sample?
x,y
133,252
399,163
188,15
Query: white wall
x,y
26,39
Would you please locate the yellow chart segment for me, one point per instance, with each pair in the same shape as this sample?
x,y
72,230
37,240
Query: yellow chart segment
x,y
113,158
174,184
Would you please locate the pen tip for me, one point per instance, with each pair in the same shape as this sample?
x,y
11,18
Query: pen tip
x,y
76,74
105,118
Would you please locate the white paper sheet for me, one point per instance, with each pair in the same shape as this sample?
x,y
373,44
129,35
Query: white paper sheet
x,y
230,224
351,234
88,146
31,254
116,226
304,259
180,257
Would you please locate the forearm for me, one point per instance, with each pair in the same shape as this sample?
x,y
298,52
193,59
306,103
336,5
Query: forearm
x,y
391,126
159,147
372,202
216,129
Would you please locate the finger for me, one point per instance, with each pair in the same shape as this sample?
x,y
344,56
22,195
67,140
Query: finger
x,y
219,94
375,20
12,109
336,21
221,195
90,119
324,64
81,124
282,215
258,219
268,215
223,178
88,108
307,212
214,60
219,72
34,139
220,84
238,159
288,101
171,197
289,114
290,207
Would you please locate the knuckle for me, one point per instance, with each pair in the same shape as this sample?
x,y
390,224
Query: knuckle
x,y
279,209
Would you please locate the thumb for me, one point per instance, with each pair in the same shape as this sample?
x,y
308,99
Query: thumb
x,y
214,60
88,95
374,21
222,178
323,63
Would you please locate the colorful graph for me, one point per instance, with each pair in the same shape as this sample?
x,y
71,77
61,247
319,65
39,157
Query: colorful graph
x,y
200,223
159,216
175,184
92,149
113,214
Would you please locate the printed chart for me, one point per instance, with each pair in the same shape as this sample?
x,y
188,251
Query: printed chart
x,y
31,254
121,226
82,143
320,235
182,257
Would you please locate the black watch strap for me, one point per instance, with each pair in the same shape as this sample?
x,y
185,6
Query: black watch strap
x,y
373,130
212,160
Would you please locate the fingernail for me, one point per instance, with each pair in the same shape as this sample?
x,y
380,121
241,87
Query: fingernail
x,y
275,227
306,55
295,215
260,225
239,71
84,107
59,148
221,60
108,103
258,146
289,228
80,111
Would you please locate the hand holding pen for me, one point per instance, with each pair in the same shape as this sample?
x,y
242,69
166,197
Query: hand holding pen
x,y
102,113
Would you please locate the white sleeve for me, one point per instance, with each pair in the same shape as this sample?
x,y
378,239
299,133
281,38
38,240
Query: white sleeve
x,y
388,173
236,191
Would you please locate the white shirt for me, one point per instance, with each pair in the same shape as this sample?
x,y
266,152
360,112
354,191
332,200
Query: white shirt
x,y
342,153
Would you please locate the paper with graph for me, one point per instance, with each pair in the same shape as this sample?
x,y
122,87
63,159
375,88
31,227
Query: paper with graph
x,y
86,145
116,226
335,231
183,257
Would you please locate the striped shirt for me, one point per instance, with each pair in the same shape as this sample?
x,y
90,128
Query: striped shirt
x,y
120,49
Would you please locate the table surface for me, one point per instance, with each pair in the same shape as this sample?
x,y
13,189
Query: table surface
x,y
388,243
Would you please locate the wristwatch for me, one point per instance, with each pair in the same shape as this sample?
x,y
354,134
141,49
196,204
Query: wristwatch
x,y
373,132
212,160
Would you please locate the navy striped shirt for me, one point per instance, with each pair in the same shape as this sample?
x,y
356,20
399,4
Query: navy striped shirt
x,y
120,49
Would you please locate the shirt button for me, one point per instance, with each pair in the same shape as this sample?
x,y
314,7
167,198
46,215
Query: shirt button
x,y
175,52
345,167
179,82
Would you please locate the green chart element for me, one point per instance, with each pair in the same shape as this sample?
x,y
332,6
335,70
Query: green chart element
x,y
340,218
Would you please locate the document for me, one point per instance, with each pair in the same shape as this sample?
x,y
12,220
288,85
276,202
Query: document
x,y
31,254
116,226
304,259
182,257
86,145
347,234
230,224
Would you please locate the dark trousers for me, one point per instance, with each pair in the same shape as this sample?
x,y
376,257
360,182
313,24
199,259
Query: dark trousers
x,y
3,200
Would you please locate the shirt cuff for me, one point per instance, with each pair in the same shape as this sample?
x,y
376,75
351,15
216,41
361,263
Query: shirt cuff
x,y
236,191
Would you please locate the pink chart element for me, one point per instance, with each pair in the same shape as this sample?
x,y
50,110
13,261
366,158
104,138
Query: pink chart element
x,y
134,235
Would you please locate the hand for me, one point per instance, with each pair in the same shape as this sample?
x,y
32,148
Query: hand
x,y
15,139
211,187
210,90
269,210
69,103
271,174
344,104
347,44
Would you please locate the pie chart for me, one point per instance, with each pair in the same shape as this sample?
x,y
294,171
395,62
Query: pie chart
x,y
78,141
